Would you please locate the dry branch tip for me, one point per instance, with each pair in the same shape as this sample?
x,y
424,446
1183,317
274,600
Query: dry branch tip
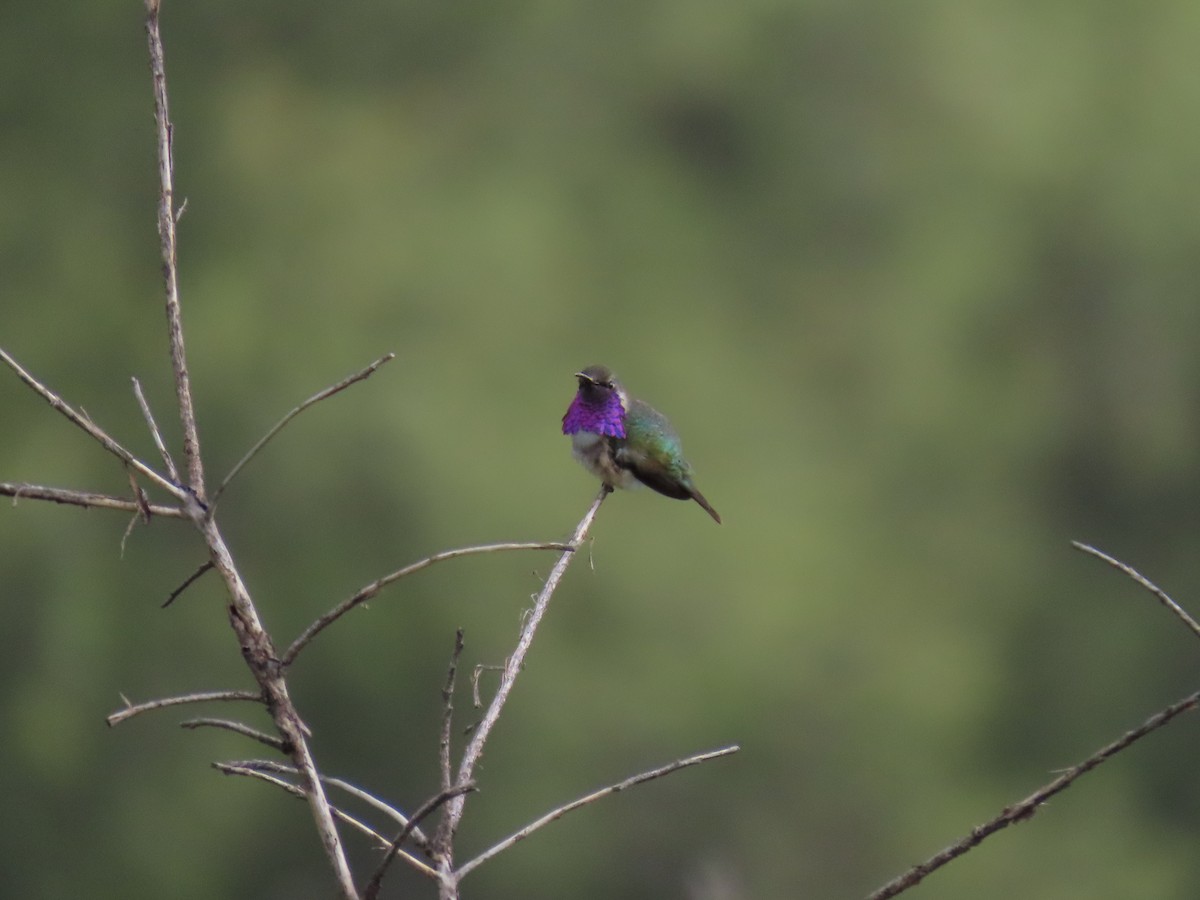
x,y
1178,611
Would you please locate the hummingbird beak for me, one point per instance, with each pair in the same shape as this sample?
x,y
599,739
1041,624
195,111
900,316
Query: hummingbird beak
x,y
582,378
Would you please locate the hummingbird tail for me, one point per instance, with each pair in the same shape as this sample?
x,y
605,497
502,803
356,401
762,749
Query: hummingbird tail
x,y
699,498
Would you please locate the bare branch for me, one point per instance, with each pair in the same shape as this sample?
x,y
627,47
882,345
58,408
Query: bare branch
x,y
590,798
417,835
87,499
132,710
1144,582
512,666
258,651
191,579
251,771
154,432
237,728
1019,812
375,587
422,811
168,250
95,431
256,646
315,398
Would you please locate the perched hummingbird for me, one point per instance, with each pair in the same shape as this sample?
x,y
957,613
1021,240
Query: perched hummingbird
x,y
621,440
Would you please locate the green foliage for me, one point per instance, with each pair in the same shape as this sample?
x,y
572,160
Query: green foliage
x,y
916,285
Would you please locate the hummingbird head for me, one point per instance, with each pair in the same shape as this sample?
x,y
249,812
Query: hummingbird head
x,y
599,405
597,382
598,386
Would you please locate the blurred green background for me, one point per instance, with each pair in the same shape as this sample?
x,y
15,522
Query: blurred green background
x,y
916,282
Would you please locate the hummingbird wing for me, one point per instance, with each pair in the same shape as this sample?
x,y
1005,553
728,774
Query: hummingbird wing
x,y
652,452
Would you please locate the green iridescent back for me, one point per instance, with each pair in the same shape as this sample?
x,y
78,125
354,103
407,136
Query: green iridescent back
x,y
648,433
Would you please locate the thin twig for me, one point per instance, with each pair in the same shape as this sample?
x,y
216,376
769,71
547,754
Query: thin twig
x,y
154,432
191,579
448,712
143,512
590,798
476,674
296,791
237,728
315,398
169,251
132,710
441,840
1026,808
512,666
372,889
87,499
128,531
95,431
418,836
140,497
1144,582
375,587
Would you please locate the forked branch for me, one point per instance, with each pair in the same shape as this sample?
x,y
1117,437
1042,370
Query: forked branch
x,y
155,433
422,812
97,433
512,667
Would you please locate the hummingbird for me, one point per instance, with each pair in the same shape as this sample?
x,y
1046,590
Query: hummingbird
x,y
623,441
